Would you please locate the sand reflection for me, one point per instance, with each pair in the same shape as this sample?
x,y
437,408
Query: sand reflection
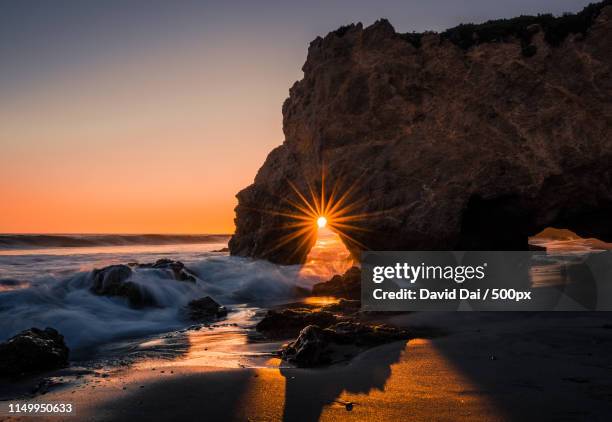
x,y
384,383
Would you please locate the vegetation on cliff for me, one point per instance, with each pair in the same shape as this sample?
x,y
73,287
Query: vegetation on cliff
x,y
556,29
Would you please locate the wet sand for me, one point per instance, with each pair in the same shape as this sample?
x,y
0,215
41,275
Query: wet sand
x,y
490,366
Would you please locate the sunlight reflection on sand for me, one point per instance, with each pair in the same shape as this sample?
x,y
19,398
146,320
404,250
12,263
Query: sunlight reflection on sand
x,y
415,380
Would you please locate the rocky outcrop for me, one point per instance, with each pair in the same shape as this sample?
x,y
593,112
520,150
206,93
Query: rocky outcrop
x,y
175,268
205,308
289,322
309,349
347,285
32,351
476,138
318,346
113,281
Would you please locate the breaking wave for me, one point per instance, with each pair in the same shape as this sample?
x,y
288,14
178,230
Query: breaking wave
x,y
86,319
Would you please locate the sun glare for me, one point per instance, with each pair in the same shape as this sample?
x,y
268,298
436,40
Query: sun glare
x,y
321,222
313,210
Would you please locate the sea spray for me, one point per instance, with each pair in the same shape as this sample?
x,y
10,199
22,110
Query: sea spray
x,y
85,319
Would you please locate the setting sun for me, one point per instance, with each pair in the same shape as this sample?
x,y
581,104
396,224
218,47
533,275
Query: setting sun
x,y
314,210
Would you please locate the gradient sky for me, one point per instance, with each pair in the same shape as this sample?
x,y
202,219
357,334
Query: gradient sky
x,y
149,116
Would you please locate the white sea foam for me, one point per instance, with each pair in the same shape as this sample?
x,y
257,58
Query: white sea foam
x,y
60,297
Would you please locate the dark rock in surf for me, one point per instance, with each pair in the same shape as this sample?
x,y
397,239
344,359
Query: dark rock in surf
x,y
347,285
289,322
107,277
33,351
176,268
113,281
205,308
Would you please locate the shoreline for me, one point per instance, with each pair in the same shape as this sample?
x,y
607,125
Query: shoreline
x,y
489,366
484,365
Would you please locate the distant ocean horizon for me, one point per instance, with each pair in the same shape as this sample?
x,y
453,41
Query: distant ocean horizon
x,y
71,240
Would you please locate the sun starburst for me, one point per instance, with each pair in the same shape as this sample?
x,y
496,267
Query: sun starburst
x,y
316,207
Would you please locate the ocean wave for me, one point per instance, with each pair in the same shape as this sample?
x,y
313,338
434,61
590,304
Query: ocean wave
x,y
35,241
86,319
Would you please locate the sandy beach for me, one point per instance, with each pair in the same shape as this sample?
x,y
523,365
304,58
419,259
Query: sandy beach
x,y
490,366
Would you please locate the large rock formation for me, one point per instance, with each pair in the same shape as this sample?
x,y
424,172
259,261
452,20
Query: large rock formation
x,y
475,138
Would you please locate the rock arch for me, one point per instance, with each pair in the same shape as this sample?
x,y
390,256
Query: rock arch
x,y
461,148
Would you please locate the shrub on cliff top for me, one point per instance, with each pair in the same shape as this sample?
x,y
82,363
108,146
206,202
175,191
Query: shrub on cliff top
x,y
556,29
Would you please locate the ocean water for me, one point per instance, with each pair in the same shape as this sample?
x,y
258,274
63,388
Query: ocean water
x,y
44,286
46,282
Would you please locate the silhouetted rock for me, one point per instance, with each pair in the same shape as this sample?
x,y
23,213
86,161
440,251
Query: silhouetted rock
x,y
310,349
32,351
205,308
317,346
112,275
222,250
467,140
347,285
344,306
289,322
112,281
176,268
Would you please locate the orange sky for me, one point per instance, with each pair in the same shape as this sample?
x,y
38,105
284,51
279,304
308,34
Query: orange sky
x,y
148,117
133,146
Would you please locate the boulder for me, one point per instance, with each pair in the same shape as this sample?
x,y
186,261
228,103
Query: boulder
x,y
321,346
176,268
464,140
205,308
33,351
113,281
347,285
108,277
289,322
311,348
